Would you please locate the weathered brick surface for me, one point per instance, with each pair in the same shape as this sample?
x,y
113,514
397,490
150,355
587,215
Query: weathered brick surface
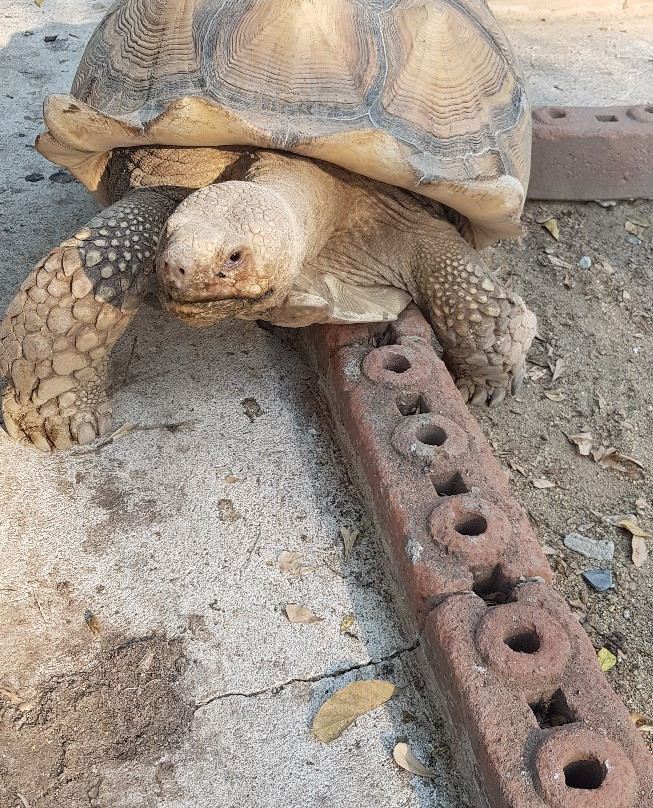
x,y
592,153
537,724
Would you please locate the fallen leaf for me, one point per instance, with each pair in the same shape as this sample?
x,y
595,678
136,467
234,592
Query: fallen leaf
x,y
633,528
643,722
39,3
542,483
639,551
555,395
347,622
292,564
606,659
552,226
558,262
20,796
231,479
406,759
514,465
121,432
15,699
92,622
583,442
558,369
300,614
347,704
610,458
349,538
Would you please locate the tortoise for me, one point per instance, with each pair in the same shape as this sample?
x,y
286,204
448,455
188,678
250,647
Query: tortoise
x,y
293,161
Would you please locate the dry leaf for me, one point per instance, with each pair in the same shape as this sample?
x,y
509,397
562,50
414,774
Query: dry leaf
x,y
292,564
406,759
558,262
640,551
610,458
606,659
20,796
17,701
583,442
39,3
345,706
552,226
558,369
643,722
123,430
300,614
92,622
347,622
542,483
349,538
231,479
634,529
514,465
555,395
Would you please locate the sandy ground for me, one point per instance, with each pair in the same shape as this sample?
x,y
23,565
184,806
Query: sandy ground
x,y
196,690
596,327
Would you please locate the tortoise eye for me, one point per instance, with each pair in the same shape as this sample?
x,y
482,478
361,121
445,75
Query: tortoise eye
x,y
235,256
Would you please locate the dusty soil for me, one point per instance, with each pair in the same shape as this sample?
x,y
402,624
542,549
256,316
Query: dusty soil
x,y
599,322
126,707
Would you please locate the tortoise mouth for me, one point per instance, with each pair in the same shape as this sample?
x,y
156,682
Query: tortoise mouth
x,y
207,312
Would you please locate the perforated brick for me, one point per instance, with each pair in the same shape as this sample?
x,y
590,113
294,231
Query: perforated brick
x,y
592,153
536,722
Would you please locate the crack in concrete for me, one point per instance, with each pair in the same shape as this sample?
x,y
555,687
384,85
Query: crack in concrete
x,y
278,688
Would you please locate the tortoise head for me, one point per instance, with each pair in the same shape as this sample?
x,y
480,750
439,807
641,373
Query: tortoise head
x,y
228,250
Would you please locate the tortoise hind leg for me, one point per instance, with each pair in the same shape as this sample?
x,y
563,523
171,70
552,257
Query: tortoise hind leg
x,y
484,329
58,331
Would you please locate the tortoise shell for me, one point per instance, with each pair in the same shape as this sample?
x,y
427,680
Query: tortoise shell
x,y
422,94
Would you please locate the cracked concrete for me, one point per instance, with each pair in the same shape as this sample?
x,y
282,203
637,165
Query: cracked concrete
x,y
165,542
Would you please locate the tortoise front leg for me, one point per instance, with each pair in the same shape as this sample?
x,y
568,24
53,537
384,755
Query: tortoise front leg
x,y
72,309
485,330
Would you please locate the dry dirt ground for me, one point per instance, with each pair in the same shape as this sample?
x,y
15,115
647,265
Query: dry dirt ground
x,y
596,327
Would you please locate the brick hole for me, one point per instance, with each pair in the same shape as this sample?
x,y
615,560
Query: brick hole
x,y
606,118
431,435
491,587
412,405
450,486
472,525
557,113
586,774
396,363
525,641
553,711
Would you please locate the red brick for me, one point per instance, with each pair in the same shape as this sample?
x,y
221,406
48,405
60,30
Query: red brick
x,y
592,153
458,541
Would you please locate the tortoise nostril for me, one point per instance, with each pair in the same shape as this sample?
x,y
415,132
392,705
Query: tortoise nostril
x,y
181,271
221,274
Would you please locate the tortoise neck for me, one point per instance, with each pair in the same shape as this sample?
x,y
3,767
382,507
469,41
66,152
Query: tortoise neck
x,y
317,199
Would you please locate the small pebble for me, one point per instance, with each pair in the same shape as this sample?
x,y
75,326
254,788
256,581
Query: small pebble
x,y
61,176
585,262
633,240
626,614
601,580
35,177
600,549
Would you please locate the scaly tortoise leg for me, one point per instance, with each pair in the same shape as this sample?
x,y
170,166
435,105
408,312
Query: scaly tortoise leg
x,y
74,306
484,329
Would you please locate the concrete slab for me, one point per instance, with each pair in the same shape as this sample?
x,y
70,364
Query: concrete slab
x,y
581,56
145,657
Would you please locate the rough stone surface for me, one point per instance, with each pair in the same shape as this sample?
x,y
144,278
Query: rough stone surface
x,y
601,549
